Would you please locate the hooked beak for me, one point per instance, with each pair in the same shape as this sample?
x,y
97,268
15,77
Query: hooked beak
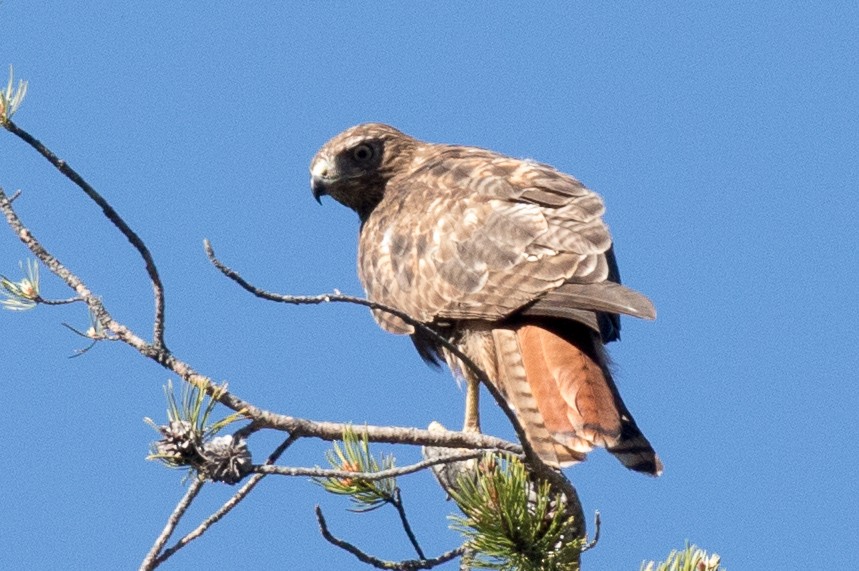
x,y
318,175
317,187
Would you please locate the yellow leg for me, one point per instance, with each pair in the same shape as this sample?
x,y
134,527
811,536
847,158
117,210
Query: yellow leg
x,y
472,410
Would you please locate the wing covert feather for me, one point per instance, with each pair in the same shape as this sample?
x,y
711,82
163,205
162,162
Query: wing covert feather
x,y
469,234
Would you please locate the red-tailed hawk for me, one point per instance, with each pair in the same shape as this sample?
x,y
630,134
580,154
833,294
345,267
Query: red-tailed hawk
x,y
511,260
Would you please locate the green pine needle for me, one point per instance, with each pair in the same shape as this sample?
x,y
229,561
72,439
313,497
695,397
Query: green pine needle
x,y
354,455
512,523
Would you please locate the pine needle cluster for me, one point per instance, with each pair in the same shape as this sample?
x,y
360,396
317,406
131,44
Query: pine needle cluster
x,y
24,293
353,455
513,522
189,441
690,559
11,97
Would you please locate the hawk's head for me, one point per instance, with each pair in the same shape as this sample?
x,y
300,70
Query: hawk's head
x,y
354,166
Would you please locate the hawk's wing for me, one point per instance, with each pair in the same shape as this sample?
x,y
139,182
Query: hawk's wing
x,y
471,234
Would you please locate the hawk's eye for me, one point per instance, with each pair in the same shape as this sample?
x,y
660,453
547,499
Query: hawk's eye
x,y
362,153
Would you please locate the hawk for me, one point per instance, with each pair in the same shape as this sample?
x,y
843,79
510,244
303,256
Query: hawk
x,y
511,261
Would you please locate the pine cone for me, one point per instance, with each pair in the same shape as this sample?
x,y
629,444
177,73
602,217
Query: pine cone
x,y
180,442
226,459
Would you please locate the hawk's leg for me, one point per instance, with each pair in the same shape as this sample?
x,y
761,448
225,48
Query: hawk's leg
x,y
472,410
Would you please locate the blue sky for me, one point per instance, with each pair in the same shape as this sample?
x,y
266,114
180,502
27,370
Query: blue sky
x,y
722,137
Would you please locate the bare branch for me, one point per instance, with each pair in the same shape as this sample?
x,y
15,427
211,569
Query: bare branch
x,y
379,563
112,215
150,562
335,298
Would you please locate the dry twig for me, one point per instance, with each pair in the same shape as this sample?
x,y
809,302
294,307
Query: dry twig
x,y
149,562
380,563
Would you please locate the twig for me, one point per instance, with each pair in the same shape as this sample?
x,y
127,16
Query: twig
x,y
379,563
341,298
397,502
112,215
597,526
368,476
228,505
246,431
44,301
150,562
